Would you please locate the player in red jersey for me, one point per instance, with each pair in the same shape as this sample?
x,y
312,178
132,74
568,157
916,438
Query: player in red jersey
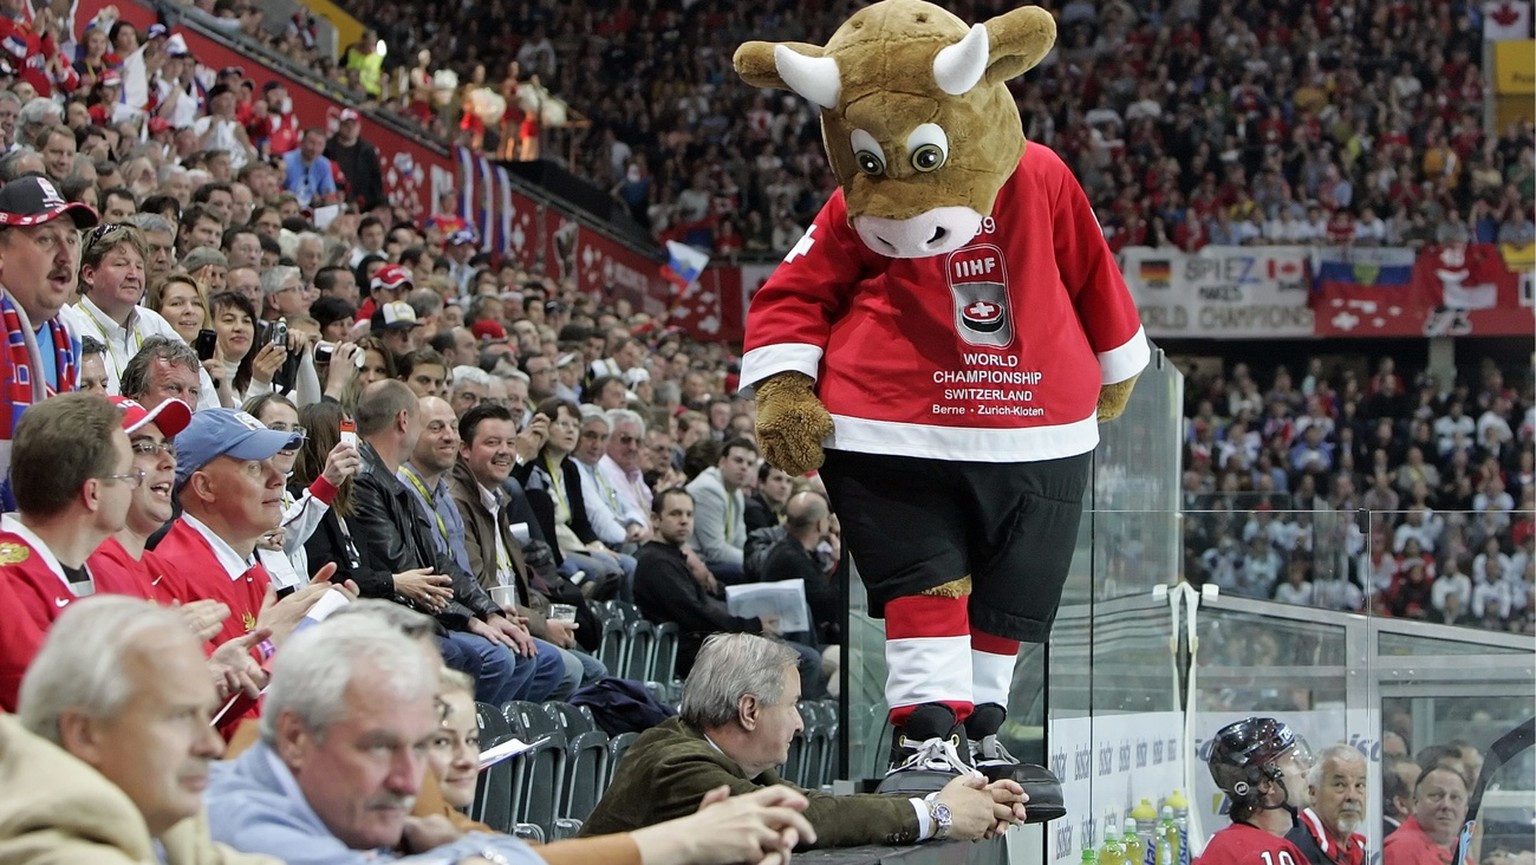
x,y
1261,764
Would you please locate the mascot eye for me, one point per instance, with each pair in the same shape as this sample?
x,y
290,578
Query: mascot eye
x,y
867,153
928,157
929,147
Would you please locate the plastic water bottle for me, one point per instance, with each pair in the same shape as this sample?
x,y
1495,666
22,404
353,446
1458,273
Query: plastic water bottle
x,y
1089,856
1135,848
1180,806
1113,851
1145,817
1168,831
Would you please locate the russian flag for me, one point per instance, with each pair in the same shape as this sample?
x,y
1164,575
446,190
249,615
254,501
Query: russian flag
x,y
1365,266
684,265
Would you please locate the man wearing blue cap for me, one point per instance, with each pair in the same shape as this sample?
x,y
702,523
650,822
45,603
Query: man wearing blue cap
x,y
231,495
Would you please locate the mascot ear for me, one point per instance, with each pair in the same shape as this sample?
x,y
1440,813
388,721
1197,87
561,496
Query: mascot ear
x,y
1020,39
795,66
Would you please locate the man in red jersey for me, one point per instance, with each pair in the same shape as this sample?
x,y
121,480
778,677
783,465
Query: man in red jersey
x,y
1262,767
1439,809
121,565
231,495
73,476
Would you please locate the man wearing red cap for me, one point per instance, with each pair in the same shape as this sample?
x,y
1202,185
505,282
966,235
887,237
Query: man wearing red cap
x,y
391,282
121,565
39,261
74,480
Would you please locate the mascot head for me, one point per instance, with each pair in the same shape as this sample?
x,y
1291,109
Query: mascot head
x,y
916,116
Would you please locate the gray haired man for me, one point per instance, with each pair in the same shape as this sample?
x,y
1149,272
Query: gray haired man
x,y
738,717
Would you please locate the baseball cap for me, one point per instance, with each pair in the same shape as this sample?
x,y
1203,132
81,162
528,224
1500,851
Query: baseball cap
x,y
158,124
393,277
173,49
566,359
156,31
227,432
350,114
488,329
232,70
171,416
112,78
395,314
463,235
34,200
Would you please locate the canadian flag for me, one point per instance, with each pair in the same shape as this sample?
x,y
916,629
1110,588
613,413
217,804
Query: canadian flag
x,y
1506,19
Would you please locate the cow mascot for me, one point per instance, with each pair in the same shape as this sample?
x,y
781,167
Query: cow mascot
x,y
943,342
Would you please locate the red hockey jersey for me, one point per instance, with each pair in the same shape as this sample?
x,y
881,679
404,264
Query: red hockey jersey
x,y
36,592
198,571
1242,844
993,353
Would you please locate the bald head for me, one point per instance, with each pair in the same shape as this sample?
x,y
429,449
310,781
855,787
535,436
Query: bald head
x,y
806,515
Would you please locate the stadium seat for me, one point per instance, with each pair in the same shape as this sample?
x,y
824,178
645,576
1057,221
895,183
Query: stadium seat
x,y
497,788
664,665
616,748
586,773
571,720
543,782
640,650
613,644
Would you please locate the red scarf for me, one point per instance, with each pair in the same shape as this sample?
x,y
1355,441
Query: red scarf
x,y
20,383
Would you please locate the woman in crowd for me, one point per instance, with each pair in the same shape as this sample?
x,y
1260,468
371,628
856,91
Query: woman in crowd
x,y
182,303
553,483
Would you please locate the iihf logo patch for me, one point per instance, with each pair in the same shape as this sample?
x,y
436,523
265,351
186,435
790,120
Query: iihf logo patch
x,y
978,282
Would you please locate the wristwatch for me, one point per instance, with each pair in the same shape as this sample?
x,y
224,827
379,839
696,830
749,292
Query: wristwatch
x,y
943,821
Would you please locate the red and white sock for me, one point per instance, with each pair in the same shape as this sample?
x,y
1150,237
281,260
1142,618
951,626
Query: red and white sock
x,y
927,655
992,660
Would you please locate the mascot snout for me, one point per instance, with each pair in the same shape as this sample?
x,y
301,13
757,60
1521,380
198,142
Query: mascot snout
x,y
932,232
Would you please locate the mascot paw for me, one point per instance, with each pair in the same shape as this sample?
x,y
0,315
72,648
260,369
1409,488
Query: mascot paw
x,y
1113,397
791,422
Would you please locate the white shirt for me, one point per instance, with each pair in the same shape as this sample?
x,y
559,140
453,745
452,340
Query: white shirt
x,y
504,573
86,319
234,566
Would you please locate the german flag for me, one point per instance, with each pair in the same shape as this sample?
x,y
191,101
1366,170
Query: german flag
x,y
1156,273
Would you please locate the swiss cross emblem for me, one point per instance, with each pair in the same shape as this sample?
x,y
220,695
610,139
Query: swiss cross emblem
x,y
982,311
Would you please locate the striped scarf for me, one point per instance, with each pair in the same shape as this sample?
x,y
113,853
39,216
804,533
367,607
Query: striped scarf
x,y
20,384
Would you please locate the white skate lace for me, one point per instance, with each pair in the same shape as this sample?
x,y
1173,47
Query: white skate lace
x,y
935,754
990,751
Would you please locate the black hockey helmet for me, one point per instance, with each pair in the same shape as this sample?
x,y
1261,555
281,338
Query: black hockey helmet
x,y
1249,751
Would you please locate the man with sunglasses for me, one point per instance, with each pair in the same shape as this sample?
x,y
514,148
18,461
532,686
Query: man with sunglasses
x,y
73,479
113,277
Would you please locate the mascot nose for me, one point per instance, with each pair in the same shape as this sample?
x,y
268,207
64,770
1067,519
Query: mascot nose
x,y
934,232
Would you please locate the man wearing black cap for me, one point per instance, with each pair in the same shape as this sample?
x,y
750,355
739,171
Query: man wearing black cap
x,y
221,130
358,161
39,262
395,323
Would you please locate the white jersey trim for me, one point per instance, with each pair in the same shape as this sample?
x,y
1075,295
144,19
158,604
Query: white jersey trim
x,y
1130,358
762,362
1004,445
927,670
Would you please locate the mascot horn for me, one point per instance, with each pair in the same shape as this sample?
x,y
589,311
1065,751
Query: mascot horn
x,y
943,342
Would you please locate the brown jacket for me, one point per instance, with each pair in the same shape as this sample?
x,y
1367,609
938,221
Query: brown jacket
x,y
480,542
671,766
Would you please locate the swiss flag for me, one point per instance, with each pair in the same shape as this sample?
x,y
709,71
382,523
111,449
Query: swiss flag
x,y
1506,19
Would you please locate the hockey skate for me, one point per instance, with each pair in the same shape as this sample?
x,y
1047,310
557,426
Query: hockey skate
x,y
990,758
926,752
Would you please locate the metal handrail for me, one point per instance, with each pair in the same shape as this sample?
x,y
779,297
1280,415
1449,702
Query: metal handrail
x,y
1416,629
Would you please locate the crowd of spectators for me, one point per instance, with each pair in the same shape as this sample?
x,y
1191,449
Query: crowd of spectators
x,y
1188,124
1349,489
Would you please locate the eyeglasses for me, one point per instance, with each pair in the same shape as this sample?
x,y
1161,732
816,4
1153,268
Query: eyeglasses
x,y
627,439
150,449
295,429
131,480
